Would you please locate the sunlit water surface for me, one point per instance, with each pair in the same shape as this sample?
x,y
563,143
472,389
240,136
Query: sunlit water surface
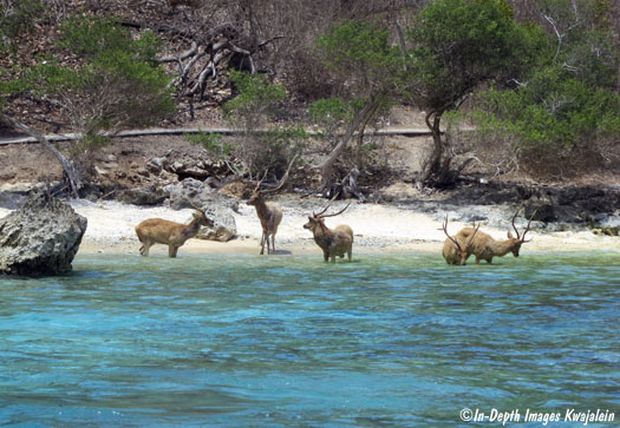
x,y
291,341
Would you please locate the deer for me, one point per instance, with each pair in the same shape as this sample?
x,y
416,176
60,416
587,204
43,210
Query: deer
x,y
269,213
484,247
159,231
333,242
457,251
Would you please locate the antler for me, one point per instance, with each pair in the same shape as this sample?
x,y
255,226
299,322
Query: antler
x,y
326,206
527,228
261,181
283,179
513,224
321,215
471,238
445,229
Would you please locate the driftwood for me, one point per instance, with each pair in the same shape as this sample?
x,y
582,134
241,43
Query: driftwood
x,y
208,52
405,132
71,173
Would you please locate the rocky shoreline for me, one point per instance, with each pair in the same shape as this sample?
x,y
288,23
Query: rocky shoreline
x,y
399,222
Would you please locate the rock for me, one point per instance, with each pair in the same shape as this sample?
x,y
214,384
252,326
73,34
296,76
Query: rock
x,y
150,195
224,226
540,210
191,192
13,195
236,189
608,231
111,158
155,165
41,238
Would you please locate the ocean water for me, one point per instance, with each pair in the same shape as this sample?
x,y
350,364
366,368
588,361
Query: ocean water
x,y
291,341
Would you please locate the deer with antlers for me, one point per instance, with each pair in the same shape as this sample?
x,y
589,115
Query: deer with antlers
x,y
269,213
333,242
457,251
484,247
159,231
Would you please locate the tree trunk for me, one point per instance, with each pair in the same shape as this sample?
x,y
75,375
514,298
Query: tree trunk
x,y
327,166
71,173
433,166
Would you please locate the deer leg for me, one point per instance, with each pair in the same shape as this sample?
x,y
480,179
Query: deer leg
x,y
325,255
349,252
172,251
273,243
333,256
477,260
144,250
262,245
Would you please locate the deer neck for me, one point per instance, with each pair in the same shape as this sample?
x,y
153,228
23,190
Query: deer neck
x,y
263,212
323,236
501,248
192,228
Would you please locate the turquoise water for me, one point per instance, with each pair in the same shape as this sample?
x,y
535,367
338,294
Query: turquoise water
x,y
291,341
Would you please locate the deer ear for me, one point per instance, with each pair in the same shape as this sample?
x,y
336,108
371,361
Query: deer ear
x,y
510,235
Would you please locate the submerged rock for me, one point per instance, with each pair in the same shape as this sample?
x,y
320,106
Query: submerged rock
x,y
41,238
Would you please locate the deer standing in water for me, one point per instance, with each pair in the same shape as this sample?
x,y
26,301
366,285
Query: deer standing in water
x,y
159,231
484,247
456,251
333,242
269,213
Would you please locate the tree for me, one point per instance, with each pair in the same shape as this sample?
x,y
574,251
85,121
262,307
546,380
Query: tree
x,y
256,103
115,85
457,45
359,55
565,116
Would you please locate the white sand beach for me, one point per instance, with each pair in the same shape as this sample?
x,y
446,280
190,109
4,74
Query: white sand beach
x,y
377,228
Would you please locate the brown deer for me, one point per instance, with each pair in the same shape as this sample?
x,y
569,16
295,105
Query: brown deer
x,y
333,242
484,247
159,231
269,213
455,251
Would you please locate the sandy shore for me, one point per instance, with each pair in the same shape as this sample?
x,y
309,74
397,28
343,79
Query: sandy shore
x,y
377,228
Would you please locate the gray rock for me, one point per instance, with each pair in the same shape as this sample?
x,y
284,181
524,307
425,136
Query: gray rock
x,y
150,195
41,238
191,192
155,165
224,226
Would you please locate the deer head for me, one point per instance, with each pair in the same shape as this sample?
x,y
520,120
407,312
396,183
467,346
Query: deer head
x,y
520,238
261,189
463,249
199,216
317,220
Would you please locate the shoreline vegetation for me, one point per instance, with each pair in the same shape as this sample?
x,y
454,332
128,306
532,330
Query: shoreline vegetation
x,y
378,228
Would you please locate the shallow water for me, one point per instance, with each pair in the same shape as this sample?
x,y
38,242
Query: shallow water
x,y
291,341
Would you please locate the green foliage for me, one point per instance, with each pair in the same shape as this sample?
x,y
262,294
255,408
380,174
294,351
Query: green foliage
x,y
331,111
94,37
212,143
360,53
275,147
459,44
18,17
116,85
567,110
554,110
256,96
